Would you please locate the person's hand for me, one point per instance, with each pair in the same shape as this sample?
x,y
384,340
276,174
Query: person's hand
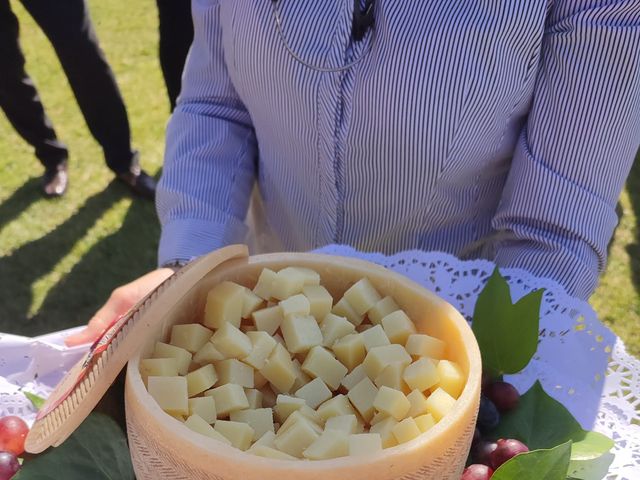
x,y
121,300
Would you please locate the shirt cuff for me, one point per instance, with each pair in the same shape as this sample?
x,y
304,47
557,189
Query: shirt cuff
x,y
186,239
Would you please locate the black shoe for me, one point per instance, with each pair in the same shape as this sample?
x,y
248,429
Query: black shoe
x,y
140,183
55,180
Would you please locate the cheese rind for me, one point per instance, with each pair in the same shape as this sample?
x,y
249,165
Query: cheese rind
x,y
201,379
320,363
235,371
381,309
334,328
398,326
392,402
170,393
350,350
224,304
231,342
182,356
199,425
228,398
420,345
320,301
238,433
364,444
421,375
314,393
362,296
190,336
301,333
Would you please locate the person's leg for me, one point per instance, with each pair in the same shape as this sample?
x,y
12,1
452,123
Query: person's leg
x,y
19,98
68,26
176,35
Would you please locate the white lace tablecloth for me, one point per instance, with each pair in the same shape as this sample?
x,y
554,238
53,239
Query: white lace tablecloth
x,y
580,362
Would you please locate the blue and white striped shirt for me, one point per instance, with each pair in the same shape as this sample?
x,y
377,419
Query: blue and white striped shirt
x,y
496,128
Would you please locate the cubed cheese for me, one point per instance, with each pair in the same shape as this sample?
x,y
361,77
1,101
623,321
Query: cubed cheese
x,y
420,345
439,403
278,369
239,434
379,357
362,296
425,422
224,304
268,319
381,309
268,440
301,333
385,429
392,402
301,378
314,393
452,378
158,367
334,328
406,430
310,276
350,350
391,376
295,305
344,309
258,379
374,337
228,398
286,405
398,326
170,393
208,354
346,424
260,420
320,301
262,344
364,444
264,286
320,363
190,336
204,407
254,397
334,407
250,303
289,281
418,403
378,417
235,371
199,425
297,437
354,377
182,356
269,452
201,379
362,396
421,375
231,342
330,444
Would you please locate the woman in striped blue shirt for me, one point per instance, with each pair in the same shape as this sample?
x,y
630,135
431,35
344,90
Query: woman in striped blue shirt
x,y
495,128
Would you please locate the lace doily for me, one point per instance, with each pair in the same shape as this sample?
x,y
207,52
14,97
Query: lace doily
x,y
580,362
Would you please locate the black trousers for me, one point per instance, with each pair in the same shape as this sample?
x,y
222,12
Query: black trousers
x,y
68,27
176,35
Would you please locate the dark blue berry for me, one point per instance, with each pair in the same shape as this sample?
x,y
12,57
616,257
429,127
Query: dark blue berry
x,y
488,415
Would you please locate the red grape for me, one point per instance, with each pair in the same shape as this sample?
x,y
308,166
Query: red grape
x,y
481,452
13,431
506,450
9,465
477,472
503,395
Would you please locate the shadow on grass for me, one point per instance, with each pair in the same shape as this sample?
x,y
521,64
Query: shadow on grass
x,y
633,249
114,260
19,201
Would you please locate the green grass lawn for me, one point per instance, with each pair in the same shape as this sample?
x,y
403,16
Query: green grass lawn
x,y
59,260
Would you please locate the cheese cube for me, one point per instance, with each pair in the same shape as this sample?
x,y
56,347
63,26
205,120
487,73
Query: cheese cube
x,y
199,425
268,319
190,336
346,424
208,354
439,403
418,403
334,407
320,363
201,379
406,430
278,338
379,357
331,444
311,414
378,417
234,371
260,420
398,326
278,369
262,344
301,333
299,416
362,396
420,345
421,375
254,397
362,296
425,422
297,437
364,444
301,378
239,434
392,402
286,405
158,367
343,309
374,337
231,342
452,378
268,440
182,356
385,429
224,304
170,393
350,350
354,377
228,398
391,376
310,276
258,379
320,301
250,303
269,452
381,309
288,282
333,328
204,407
264,286
295,305
314,393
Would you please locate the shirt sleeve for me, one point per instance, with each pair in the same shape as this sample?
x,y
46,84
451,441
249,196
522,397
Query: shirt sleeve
x,y
209,166
557,212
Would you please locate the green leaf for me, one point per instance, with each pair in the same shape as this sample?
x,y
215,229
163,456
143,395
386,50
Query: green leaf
x,y
36,400
97,450
591,445
550,464
593,469
507,334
